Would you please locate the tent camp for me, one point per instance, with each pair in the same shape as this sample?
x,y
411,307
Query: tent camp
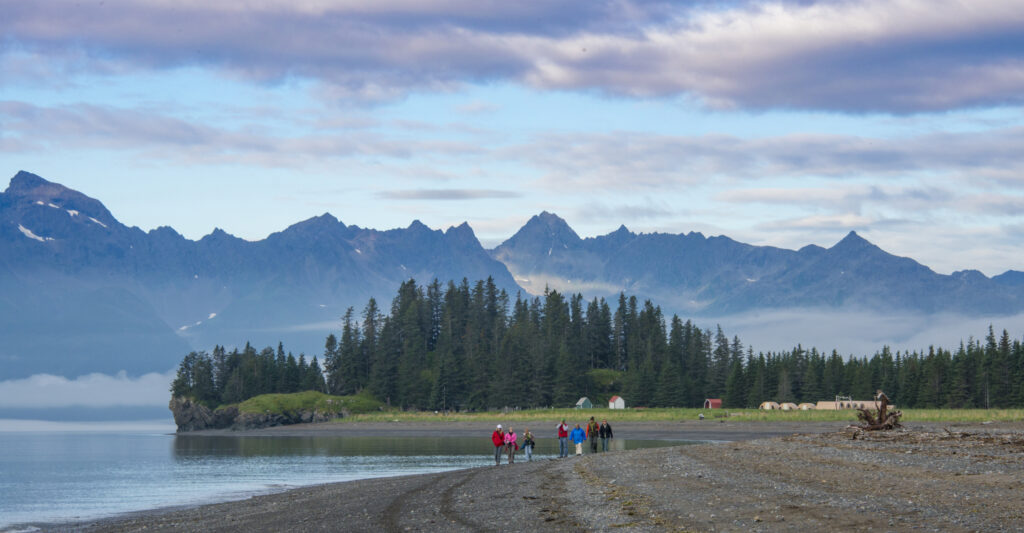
x,y
768,406
712,403
806,406
788,406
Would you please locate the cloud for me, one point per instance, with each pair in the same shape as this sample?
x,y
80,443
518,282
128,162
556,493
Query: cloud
x,y
91,390
636,161
854,198
898,56
619,213
448,194
30,127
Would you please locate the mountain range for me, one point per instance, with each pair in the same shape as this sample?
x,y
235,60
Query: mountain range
x,y
80,292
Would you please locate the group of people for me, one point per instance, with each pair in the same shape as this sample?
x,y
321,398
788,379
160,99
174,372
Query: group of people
x,y
580,435
506,442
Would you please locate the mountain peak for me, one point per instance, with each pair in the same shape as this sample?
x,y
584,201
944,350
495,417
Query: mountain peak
x,y
418,226
462,234
853,241
29,187
24,182
550,227
549,218
324,221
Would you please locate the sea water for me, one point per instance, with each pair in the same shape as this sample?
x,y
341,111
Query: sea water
x,y
74,472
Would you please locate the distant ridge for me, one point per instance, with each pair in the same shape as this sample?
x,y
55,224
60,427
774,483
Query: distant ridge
x,y
717,276
80,292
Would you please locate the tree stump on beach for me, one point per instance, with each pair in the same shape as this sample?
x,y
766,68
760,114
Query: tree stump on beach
x,y
881,418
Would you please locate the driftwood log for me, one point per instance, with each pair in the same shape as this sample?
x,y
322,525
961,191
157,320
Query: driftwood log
x,y
882,418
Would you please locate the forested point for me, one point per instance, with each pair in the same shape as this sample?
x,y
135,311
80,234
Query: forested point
x,y
462,347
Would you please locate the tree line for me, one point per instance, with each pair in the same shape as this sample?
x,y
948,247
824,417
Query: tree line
x,y
470,347
232,377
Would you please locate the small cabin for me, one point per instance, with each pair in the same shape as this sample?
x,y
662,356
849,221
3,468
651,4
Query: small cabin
x,y
712,403
768,406
584,403
616,402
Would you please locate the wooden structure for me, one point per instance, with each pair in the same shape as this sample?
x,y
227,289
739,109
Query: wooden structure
x,y
584,403
616,402
846,404
712,403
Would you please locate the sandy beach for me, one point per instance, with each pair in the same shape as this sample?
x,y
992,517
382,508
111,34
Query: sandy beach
x,y
755,477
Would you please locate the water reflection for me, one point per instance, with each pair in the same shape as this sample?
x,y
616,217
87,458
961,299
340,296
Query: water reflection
x,y
190,447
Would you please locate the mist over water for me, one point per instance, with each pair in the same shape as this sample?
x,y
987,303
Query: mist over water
x,y
857,333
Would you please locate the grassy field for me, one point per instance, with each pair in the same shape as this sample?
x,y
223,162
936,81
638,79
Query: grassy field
x,y
656,415
310,400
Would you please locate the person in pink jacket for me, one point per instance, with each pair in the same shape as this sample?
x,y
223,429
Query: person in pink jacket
x,y
511,446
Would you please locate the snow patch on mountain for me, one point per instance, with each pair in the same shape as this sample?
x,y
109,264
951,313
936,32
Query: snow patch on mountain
x,y
28,233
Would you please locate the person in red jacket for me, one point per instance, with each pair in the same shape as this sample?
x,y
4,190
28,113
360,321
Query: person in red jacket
x,y
498,438
563,440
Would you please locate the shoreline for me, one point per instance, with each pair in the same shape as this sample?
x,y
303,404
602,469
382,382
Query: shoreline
x,y
816,479
721,430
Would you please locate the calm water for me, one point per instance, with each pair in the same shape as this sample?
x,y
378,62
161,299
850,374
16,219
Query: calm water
x,y
59,473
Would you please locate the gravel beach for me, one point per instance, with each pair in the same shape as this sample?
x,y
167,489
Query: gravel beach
x,y
761,477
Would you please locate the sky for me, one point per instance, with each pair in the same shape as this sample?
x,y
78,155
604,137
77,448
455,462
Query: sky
x,y
781,123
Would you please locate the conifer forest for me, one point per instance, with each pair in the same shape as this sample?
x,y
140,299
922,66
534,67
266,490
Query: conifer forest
x,y
462,346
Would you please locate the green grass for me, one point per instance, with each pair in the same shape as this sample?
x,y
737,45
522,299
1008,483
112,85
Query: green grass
x,y
365,408
676,414
309,400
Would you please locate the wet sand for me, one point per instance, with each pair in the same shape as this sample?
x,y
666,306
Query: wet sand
x,y
816,477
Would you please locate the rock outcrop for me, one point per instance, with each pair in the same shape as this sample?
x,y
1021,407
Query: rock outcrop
x,y
265,420
192,416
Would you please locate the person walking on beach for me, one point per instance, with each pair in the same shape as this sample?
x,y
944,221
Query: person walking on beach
x,y
528,444
498,438
578,437
563,439
605,433
511,446
592,430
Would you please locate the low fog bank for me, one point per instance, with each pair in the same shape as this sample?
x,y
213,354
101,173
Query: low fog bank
x,y
43,391
858,333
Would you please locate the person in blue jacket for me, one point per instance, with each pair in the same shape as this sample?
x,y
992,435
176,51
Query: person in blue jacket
x,y
578,437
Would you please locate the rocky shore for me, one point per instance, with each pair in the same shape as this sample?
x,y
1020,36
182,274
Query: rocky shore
x,y
923,478
192,416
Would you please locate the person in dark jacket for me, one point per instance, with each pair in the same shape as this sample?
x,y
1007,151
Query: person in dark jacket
x,y
606,433
528,444
592,430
